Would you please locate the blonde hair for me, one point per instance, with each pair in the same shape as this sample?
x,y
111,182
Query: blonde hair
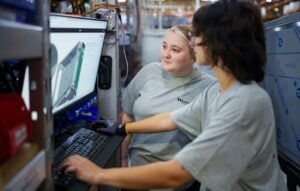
x,y
183,32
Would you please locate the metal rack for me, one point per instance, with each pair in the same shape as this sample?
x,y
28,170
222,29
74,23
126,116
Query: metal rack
x,y
30,168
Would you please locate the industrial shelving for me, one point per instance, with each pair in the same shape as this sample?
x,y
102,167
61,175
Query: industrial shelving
x,y
30,168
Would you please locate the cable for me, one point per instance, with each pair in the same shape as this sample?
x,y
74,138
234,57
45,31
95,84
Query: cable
x,y
99,6
124,52
119,35
138,21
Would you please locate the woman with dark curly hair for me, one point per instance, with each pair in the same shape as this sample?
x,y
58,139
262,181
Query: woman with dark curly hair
x,y
232,123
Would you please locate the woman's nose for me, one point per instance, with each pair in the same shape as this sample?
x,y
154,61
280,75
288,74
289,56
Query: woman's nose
x,y
166,53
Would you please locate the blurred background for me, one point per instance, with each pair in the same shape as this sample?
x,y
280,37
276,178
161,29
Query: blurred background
x,y
144,22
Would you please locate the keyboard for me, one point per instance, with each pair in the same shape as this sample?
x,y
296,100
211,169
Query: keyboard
x,y
84,142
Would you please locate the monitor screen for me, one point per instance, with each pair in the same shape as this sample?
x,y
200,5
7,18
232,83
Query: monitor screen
x,y
14,78
282,82
25,88
75,49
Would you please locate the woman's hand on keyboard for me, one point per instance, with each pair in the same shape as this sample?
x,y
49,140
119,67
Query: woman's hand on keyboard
x,y
82,168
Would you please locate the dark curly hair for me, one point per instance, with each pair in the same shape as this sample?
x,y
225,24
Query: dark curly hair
x,y
233,31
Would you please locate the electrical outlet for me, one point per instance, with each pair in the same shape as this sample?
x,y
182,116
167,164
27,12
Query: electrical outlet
x,y
110,15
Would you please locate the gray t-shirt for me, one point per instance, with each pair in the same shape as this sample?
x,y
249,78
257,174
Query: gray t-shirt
x,y
234,146
154,91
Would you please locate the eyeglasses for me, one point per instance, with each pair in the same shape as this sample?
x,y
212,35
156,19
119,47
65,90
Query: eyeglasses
x,y
193,44
192,40
200,44
191,35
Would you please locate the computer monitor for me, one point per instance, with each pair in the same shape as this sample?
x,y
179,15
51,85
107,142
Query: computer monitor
x,y
75,49
282,82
